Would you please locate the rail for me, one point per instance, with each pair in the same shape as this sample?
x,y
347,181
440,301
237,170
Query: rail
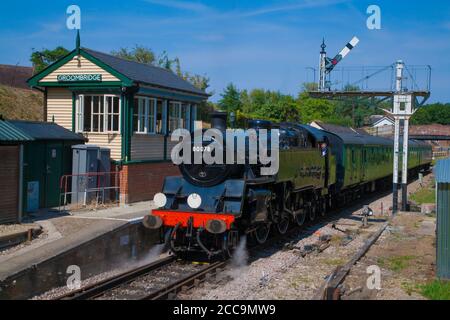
x,y
191,281
124,280
97,289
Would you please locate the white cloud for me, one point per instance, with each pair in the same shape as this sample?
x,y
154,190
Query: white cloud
x,y
213,15
290,7
181,5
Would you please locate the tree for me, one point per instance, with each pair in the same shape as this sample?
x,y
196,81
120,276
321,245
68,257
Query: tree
x,y
347,112
201,82
42,59
231,100
204,110
356,109
146,55
311,109
432,113
271,105
138,54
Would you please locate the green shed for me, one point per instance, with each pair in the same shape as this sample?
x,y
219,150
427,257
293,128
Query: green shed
x,y
442,174
12,142
45,159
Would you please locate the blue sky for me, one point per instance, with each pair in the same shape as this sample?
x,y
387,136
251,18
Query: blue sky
x,y
254,44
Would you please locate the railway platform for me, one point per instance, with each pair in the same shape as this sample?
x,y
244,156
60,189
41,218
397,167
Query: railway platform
x,y
88,239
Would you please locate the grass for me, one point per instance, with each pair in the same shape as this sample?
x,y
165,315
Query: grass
x,y
418,224
436,290
425,195
16,103
410,287
298,280
396,263
334,262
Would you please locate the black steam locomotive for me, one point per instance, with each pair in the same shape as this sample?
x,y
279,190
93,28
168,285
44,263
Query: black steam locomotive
x,y
212,205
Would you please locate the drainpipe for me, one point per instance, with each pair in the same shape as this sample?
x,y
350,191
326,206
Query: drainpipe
x,y
20,207
44,91
45,106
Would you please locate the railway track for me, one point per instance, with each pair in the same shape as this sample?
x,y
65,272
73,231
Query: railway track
x,y
164,278
161,279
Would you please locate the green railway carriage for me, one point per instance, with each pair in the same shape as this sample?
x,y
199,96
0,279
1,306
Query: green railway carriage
x,y
367,159
420,154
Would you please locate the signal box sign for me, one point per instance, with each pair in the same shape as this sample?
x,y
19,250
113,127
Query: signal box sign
x,y
79,78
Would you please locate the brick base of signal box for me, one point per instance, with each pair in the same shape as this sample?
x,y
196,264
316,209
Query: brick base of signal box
x,y
140,182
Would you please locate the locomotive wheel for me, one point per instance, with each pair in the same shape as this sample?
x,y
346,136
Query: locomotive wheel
x,y
312,212
300,218
283,225
262,233
323,207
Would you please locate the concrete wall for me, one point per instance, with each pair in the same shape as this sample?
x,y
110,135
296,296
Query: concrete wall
x,y
126,244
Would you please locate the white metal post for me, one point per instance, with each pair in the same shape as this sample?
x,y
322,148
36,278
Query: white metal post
x,y
395,112
395,169
399,76
405,165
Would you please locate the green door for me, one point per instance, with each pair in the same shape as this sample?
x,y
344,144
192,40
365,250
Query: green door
x,y
54,157
34,159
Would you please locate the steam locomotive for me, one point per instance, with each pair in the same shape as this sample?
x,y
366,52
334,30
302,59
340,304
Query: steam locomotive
x,y
210,206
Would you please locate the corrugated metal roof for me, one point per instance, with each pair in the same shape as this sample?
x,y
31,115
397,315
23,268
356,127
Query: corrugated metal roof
x,y
46,131
146,73
442,171
9,133
443,231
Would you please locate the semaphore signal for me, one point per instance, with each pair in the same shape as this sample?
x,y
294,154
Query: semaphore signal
x,y
326,64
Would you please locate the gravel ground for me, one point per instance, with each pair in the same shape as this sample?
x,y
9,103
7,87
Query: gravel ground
x,y
406,256
57,292
15,228
284,274
60,291
7,229
278,274
151,282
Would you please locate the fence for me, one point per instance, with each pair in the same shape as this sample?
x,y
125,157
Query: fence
x,y
374,78
89,190
441,154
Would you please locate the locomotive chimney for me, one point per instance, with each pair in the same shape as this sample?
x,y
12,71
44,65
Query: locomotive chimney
x,y
219,120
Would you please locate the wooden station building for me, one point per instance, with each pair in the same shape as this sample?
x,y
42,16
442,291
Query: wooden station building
x,y
126,106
